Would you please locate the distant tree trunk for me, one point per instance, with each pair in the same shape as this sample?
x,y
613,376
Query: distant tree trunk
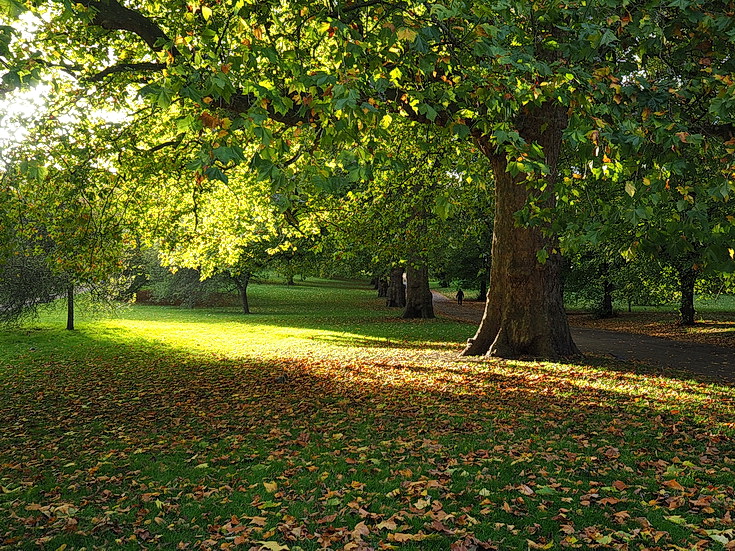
x,y
419,300
524,313
241,282
483,290
382,287
687,279
70,307
606,307
484,277
396,297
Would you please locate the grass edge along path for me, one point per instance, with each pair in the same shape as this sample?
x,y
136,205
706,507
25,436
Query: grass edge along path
x,y
342,427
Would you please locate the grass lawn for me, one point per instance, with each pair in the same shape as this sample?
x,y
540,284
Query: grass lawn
x,y
324,421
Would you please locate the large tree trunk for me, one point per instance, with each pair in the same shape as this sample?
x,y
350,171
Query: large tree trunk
x,y
524,313
70,307
419,300
396,297
687,279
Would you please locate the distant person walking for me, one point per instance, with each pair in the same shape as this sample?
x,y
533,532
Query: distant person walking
x,y
460,296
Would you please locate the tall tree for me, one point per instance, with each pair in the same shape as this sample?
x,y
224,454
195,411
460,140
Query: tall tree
x,y
511,76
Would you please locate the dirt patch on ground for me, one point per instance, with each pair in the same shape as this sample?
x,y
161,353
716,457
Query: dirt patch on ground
x,y
717,329
651,338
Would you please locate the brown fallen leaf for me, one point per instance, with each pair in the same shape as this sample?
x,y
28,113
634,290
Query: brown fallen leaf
x,y
400,537
674,485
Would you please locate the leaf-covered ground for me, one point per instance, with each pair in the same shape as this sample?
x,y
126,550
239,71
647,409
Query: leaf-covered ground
x,y
338,428
714,328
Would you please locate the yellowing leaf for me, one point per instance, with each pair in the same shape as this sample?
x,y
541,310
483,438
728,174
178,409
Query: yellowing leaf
x,y
206,12
676,519
271,546
270,487
422,504
406,34
401,537
533,545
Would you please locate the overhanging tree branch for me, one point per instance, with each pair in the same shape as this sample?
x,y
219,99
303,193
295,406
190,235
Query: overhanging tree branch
x,y
111,15
127,68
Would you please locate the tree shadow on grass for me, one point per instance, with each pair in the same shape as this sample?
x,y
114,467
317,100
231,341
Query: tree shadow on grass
x,y
376,342
130,426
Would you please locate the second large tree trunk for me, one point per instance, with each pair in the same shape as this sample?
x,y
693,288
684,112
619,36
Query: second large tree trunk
x,y
396,297
419,300
524,313
687,279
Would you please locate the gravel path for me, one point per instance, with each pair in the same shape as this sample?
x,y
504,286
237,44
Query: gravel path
x,y
713,362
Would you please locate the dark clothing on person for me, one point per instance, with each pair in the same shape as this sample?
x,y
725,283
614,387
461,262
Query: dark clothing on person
x,y
460,297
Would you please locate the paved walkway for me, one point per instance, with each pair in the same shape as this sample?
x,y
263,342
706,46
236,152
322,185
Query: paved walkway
x,y
715,362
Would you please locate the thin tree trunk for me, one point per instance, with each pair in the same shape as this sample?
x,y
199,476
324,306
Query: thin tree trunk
x,y
687,279
241,282
606,307
483,290
396,291
70,307
419,300
524,313
382,287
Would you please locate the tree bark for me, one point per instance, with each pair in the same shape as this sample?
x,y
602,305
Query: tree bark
x,y
419,300
524,312
687,279
241,282
70,307
606,307
483,290
396,291
383,288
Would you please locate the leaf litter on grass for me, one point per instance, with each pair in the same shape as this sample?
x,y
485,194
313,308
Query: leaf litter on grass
x,y
356,448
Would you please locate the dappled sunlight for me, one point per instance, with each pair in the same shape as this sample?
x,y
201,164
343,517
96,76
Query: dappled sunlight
x,y
252,420
347,360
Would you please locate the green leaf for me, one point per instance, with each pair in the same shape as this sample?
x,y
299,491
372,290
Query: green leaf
x,y
185,123
12,8
546,491
461,130
608,37
229,154
214,173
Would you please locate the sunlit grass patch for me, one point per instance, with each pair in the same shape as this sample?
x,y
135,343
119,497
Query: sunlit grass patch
x,y
336,425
